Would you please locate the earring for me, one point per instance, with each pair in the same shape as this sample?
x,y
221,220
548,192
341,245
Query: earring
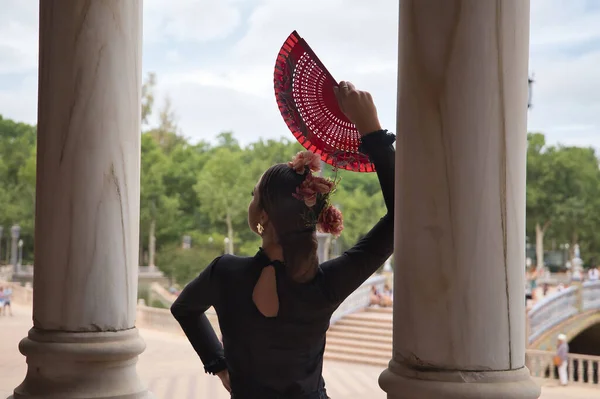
x,y
260,229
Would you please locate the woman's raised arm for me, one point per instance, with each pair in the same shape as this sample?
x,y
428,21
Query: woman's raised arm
x,y
346,273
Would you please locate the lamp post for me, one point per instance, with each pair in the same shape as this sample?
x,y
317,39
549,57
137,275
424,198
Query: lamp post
x,y
15,232
1,231
20,256
187,242
530,82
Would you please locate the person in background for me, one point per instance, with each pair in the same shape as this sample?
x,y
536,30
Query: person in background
x,y
387,297
7,295
533,275
1,300
375,296
562,359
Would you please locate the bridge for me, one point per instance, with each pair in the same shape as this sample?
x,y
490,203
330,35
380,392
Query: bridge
x,y
570,312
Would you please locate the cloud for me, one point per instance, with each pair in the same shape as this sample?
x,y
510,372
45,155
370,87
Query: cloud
x,y
215,60
18,36
189,20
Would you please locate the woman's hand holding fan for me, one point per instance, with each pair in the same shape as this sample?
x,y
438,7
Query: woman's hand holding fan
x,y
358,107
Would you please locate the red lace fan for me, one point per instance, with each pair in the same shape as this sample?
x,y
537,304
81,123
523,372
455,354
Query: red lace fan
x,y
304,93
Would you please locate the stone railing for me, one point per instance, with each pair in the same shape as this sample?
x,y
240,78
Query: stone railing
x,y
6,273
160,293
582,369
560,306
150,270
590,295
551,311
162,319
360,298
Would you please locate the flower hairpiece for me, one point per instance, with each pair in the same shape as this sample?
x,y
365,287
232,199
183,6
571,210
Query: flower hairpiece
x,y
305,159
316,191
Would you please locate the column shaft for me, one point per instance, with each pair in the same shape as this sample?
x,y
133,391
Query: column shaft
x,y
459,297
84,343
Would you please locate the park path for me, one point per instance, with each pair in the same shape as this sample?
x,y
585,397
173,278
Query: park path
x,y
172,369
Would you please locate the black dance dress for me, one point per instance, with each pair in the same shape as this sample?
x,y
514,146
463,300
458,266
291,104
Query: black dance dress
x,y
282,357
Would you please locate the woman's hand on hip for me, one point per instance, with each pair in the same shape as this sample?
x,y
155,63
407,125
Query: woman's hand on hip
x,y
358,106
224,376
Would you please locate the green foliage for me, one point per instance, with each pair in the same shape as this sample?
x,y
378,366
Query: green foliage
x,y
182,265
563,196
203,190
17,174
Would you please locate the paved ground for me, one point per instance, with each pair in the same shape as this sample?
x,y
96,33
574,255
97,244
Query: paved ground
x,y
172,370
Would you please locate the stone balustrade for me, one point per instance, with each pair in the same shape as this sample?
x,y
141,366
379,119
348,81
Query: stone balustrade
x,y
162,320
360,298
582,369
559,306
163,295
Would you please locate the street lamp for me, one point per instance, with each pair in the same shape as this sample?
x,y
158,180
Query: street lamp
x,y
15,232
20,259
530,83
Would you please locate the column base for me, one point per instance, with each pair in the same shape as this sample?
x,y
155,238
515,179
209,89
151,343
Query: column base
x,y
401,382
64,365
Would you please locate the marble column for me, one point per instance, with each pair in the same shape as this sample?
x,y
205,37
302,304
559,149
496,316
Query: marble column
x,y
459,330
15,233
84,343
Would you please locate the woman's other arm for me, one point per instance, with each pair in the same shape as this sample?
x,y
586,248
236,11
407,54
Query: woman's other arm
x,y
189,310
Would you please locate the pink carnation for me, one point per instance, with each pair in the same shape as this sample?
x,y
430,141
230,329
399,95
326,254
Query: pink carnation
x,y
306,192
322,185
331,221
303,159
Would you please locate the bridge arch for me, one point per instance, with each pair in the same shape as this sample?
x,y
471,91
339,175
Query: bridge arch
x,y
570,312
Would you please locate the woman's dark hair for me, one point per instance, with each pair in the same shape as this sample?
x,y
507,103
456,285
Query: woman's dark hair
x,y
289,217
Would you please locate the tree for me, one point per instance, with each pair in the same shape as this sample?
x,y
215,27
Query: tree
x,y
223,187
148,97
156,205
563,194
166,134
17,174
577,177
361,212
539,204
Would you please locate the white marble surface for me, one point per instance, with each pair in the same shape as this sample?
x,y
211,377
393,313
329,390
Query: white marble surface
x,y
459,298
88,165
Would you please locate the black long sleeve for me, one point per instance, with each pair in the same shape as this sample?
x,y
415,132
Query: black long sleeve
x,y
189,310
346,273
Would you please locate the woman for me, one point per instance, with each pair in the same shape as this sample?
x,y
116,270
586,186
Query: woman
x,y
274,308
562,359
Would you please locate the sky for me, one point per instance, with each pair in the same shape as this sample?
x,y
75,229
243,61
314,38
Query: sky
x,y
214,59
